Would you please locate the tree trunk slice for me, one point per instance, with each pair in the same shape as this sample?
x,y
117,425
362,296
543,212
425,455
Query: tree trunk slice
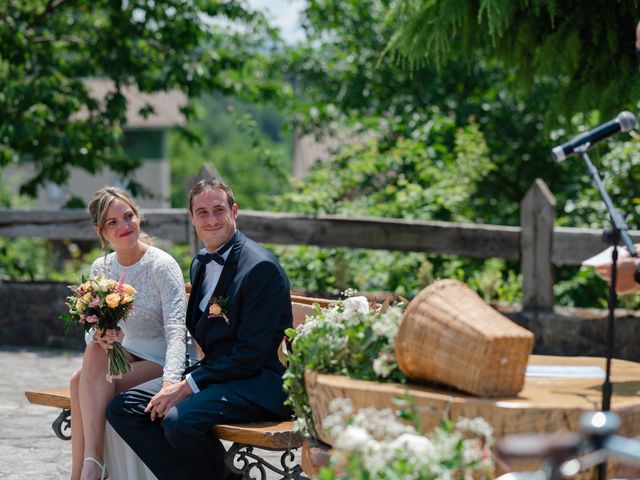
x,y
545,404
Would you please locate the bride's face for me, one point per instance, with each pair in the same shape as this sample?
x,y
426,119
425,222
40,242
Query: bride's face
x,y
122,226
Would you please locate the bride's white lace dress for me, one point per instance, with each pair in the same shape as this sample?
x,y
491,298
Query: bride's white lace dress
x,y
154,331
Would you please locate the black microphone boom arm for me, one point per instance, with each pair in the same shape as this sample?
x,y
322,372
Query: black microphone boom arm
x,y
624,122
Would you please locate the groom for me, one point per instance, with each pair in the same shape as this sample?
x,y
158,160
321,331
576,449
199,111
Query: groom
x,y
238,310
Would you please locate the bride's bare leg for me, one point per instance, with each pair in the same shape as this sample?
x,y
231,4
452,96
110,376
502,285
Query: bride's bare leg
x,y
142,371
93,394
77,437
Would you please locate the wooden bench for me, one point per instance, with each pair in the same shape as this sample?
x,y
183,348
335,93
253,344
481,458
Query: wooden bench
x,y
240,458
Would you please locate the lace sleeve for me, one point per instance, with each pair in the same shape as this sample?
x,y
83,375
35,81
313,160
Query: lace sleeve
x,y
97,266
171,286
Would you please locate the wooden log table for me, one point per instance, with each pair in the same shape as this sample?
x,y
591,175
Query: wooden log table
x,y
553,400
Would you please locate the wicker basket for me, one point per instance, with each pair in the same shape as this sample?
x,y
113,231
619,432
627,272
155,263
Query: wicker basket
x,y
451,336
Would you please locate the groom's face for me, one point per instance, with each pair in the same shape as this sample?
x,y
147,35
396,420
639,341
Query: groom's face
x,y
213,218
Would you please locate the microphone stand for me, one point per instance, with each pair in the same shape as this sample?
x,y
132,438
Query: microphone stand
x,y
617,233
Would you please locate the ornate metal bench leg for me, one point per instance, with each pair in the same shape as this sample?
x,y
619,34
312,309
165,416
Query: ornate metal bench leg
x,y
248,462
62,424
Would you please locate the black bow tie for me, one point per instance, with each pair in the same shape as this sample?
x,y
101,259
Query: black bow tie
x,y
205,258
216,256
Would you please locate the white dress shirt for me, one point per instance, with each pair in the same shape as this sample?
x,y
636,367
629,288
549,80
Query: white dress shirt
x,y
212,274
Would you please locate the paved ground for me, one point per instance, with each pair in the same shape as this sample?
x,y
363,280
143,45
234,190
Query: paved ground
x,y
28,446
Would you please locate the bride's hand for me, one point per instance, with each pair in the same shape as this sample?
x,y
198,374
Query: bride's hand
x,y
106,337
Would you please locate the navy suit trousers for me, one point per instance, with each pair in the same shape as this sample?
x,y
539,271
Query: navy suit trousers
x,y
181,445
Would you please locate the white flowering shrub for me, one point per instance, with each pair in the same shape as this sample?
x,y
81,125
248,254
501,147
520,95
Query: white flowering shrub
x,y
348,338
375,444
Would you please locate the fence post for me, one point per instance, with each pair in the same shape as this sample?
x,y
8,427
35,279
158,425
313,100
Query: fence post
x,y
207,171
537,216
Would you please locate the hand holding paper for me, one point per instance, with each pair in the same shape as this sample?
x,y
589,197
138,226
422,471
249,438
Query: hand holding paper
x,y
626,268
604,257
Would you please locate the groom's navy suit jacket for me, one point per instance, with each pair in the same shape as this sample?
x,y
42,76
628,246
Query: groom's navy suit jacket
x,y
243,353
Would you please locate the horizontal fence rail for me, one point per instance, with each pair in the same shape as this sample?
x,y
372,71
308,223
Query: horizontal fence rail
x,y
472,240
536,243
570,245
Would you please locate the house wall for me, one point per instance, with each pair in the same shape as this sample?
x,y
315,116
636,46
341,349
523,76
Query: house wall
x,y
154,173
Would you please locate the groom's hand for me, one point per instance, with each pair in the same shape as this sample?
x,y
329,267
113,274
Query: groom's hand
x,y
171,394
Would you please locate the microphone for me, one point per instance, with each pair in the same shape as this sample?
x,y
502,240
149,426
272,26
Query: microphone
x,y
624,122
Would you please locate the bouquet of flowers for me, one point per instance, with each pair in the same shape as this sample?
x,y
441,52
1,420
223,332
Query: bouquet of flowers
x,y
350,337
101,303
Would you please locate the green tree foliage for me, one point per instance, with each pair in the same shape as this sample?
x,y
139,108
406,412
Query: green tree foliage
x,y
467,97
588,46
345,79
434,176
247,144
47,47
440,143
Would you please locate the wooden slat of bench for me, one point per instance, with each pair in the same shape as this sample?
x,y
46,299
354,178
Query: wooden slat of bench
x,y
50,397
272,435
323,302
277,435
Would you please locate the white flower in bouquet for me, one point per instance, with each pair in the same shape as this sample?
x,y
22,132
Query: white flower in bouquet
x,y
472,451
384,364
356,304
300,424
352,438
334,422
387,325
102,284
446,443
477,427
376,444
380,423
417,446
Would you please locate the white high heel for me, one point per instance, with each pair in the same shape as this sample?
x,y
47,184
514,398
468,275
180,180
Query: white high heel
x,y
101,466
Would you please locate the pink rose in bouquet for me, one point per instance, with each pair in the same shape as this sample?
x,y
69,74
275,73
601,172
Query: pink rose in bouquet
x,y
102,303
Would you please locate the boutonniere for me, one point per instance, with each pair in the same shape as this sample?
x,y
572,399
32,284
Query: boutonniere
x,y
217,308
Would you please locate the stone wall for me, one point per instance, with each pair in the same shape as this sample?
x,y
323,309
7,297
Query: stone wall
x,y
581,332
29,314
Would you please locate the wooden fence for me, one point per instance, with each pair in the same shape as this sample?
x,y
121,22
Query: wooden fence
x,y
536,243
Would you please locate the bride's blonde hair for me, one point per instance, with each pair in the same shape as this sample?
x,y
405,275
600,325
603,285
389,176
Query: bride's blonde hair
x,y
99,205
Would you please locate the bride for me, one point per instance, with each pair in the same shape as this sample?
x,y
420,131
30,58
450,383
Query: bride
x,y
154,337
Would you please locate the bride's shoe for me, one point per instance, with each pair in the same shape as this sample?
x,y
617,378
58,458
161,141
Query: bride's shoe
x,y
102,467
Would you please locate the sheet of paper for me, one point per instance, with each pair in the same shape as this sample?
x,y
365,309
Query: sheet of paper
x,y
564,371
604,257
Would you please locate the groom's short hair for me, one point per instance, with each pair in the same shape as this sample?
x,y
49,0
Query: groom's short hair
x,y
211,184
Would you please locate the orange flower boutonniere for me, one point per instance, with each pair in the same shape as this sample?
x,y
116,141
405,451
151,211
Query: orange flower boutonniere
x,y
217,308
